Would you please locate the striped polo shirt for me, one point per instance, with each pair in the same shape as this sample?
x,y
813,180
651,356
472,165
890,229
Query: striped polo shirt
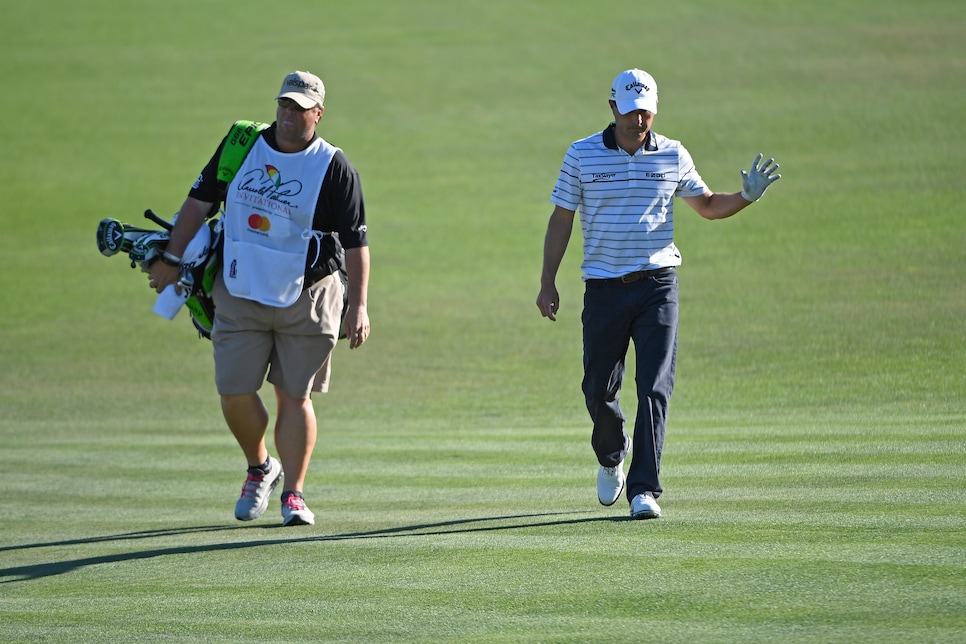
x,y
626,203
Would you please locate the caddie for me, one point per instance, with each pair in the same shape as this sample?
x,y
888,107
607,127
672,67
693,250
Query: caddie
x,y
294,216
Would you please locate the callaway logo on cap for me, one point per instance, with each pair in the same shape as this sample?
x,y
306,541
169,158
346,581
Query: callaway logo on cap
x,y
634,89
304,88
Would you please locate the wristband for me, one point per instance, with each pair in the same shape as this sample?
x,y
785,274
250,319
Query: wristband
x,y
170,260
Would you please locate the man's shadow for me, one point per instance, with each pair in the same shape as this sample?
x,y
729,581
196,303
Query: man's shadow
x,y
457,526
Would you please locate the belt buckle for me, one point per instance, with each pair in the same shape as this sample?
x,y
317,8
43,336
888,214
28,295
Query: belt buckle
x,y
636,276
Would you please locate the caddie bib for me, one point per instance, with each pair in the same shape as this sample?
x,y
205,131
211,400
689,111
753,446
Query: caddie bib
x,y
268,217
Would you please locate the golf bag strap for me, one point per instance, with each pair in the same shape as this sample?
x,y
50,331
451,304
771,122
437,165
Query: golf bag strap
x,y
238,143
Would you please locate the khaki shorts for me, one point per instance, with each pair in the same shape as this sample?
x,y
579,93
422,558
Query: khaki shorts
x,y
293,344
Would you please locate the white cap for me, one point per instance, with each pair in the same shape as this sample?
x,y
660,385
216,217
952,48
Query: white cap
x,y
634,89
304,88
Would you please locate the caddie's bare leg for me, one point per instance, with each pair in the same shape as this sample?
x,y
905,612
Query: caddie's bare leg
x,y
295,434
248,420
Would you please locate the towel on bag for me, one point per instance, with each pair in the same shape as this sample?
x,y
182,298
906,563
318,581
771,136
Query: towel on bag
x,y
169,302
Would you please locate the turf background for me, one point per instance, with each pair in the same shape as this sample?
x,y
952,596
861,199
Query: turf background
x,y
815,458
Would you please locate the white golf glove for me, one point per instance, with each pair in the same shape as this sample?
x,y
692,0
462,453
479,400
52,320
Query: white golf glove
x,y
758,178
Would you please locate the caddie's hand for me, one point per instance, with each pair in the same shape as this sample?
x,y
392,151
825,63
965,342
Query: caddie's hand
x,y
357,326
160,275
548,301
758,178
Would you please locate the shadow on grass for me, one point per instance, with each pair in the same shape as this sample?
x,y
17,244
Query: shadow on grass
x,y
458,526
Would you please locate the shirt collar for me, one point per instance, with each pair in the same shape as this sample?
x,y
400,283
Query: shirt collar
x,y
610,141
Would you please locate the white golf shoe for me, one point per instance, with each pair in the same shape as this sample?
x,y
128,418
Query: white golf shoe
x,y
644,506
610,483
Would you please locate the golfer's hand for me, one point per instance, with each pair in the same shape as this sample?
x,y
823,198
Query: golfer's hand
x,y
161,274
357,326
548,301
758,178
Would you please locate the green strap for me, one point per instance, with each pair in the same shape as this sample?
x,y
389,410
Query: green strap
x,y
240,140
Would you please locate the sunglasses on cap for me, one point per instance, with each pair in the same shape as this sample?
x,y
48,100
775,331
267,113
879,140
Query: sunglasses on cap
x,y
289,104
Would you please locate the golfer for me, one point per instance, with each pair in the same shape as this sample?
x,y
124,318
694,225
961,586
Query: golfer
x,y
294,218
623,181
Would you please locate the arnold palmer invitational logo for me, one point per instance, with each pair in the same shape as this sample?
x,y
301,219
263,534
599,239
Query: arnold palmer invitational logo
x,y
265,187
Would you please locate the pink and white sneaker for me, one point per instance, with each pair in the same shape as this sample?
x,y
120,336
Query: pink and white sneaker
x,y
258,487
294,510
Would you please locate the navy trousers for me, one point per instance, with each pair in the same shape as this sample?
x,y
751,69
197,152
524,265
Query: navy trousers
x,y
615,313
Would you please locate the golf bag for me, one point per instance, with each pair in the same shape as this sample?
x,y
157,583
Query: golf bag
x,y
143,246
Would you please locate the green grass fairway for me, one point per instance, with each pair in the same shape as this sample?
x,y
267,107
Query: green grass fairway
x,y
815,464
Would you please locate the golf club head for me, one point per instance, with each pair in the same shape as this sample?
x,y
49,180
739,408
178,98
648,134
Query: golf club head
x,y
114,237
148,246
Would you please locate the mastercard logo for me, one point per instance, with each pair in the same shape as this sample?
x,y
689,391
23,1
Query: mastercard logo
x,y
257,222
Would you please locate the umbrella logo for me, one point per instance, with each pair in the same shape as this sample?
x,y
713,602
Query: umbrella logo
x,y
274,175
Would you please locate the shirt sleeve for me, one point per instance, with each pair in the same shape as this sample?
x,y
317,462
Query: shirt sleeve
x,y
567,190
690,183
205,187
341,206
